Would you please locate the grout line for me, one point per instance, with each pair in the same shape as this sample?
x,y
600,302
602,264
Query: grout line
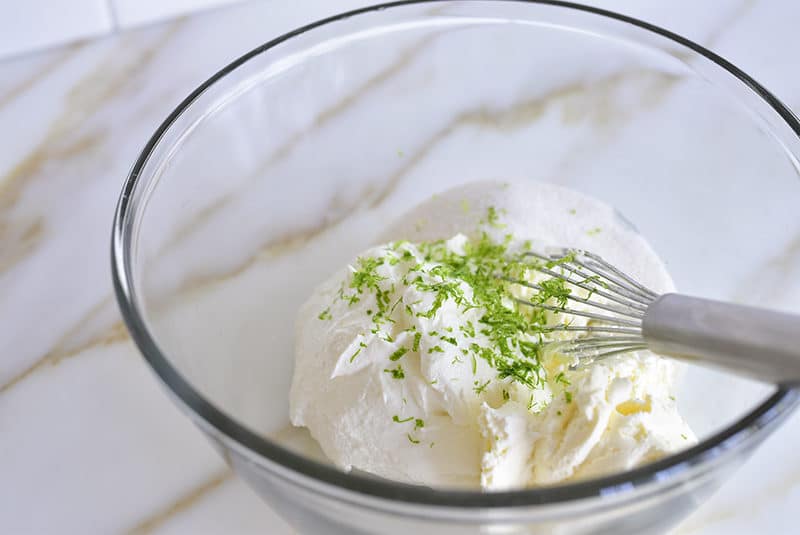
x,y
112,13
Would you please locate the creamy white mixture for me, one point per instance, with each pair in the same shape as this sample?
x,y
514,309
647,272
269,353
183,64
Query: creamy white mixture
x,y
392,376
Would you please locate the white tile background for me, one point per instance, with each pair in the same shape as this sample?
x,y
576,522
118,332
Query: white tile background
x,y
30,25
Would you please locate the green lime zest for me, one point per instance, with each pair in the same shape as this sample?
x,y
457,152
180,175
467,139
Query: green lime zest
x,y
396,373
566,259
553,289
361,345
398,353
479,388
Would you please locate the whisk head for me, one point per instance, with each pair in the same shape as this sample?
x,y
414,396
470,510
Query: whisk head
x,y
614,303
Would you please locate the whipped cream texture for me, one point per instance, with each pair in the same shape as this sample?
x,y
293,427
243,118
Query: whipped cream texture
x,y
415,362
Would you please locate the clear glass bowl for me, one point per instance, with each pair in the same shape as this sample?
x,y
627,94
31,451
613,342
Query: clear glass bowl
x,y
287,162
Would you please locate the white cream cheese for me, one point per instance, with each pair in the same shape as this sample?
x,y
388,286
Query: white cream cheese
x,y
405,397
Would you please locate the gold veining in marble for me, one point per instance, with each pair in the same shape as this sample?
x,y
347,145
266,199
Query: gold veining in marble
x,y
22,234
270,249
30,231
725,25
65,348
405,59
66,142
19,240
185,501
520,114
516,116
60,57
524,113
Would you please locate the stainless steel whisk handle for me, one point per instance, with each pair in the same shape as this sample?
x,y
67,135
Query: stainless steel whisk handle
x,y
762,344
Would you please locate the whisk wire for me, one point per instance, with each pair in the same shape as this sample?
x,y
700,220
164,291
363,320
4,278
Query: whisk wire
x,y
615,304
632,283
613,284
597,343
592,329
586,359
583,300
589,283
582,313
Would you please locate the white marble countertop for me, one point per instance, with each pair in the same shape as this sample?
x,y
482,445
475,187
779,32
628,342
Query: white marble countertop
x,y
89,443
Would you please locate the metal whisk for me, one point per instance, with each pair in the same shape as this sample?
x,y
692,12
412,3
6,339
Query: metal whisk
x,y
626,316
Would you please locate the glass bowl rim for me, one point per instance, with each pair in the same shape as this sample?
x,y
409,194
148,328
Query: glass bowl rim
x,y
765,415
